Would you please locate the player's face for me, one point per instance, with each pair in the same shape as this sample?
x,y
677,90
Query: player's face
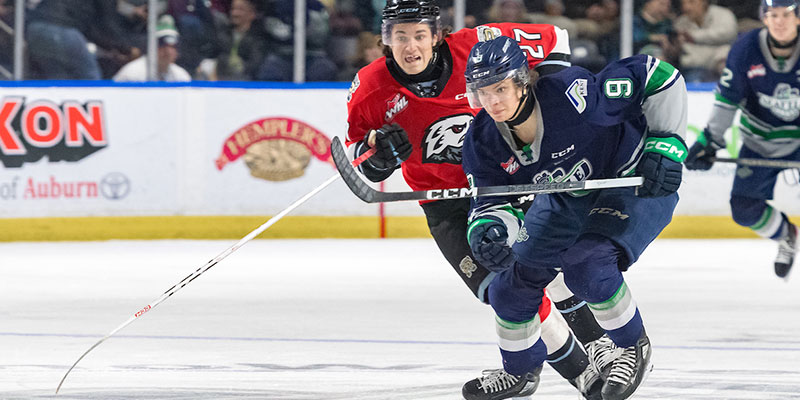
x,y
501,99
412,46
781,23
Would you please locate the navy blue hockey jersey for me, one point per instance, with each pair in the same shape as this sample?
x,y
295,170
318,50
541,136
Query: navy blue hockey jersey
x,y
766,89
589,127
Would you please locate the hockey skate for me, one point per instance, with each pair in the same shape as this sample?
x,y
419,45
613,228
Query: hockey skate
x,y
602,352
787,247
589,383
497,384
629,370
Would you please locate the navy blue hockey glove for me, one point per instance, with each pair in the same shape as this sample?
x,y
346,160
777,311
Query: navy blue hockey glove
x,y
488,240
660,165
391,147
701,153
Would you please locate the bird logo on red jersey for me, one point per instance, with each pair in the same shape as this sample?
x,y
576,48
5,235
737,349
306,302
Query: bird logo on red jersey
x,y
444,138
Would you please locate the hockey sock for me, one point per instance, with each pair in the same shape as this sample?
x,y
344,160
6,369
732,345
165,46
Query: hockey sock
x,y
570,360
580,319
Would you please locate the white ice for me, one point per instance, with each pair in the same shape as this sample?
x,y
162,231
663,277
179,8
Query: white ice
x,y
359,319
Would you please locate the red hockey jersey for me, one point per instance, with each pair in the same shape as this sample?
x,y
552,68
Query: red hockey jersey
x,y
436,125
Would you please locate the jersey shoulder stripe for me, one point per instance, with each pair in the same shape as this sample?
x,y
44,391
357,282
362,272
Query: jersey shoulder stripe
x,y
660,75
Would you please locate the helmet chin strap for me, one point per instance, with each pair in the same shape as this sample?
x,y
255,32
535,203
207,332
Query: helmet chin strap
x,y
524,108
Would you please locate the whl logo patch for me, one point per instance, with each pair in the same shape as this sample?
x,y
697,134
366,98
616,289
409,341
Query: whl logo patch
x,y
511,166
395,105
68,132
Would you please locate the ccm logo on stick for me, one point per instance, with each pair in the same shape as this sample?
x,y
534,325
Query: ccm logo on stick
x,y
452,193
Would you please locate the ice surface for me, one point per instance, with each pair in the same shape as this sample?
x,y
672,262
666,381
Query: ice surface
x,y
359,319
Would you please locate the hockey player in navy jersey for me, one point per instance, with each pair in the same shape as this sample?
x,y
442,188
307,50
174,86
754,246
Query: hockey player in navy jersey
x,y
571,125
411,106
761,78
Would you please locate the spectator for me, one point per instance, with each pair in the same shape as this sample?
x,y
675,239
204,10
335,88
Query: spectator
x,y
508,11
6,39
554,14
133,19
600,24
368,49
278,65
653,32
167,70
197,28
59,32
746,12
243,43
705,33
473,13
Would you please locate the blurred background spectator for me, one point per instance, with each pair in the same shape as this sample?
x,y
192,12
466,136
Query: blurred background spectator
x,y
508,11
368,49
243,43
705,34
59,33
254,39
167,70
554,14
196,25
475,12
6,39
653,33
278,65
133,20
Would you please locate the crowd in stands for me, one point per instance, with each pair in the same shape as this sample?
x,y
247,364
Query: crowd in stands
x,y
253,39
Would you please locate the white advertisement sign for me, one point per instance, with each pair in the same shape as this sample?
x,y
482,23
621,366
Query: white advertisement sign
x,y
129,151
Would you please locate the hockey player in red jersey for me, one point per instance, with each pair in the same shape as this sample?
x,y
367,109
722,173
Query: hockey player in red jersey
x,y
411,106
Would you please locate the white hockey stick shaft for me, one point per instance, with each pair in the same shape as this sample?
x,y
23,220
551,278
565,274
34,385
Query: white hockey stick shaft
x,y
205,268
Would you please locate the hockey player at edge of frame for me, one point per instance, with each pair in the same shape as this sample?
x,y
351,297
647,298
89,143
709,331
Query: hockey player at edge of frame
x,y
760,78
571,125
411,107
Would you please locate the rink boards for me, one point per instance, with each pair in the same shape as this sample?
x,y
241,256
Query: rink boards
x,y
163,161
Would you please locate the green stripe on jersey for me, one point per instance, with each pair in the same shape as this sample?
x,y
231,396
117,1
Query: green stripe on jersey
x,y
662,74
770,134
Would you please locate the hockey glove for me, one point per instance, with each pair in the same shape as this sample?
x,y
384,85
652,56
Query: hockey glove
x,y
702,151
391,147
660,165
488,240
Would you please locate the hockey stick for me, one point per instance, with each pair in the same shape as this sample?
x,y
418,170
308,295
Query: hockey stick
x,y
174,289
369,195
755,162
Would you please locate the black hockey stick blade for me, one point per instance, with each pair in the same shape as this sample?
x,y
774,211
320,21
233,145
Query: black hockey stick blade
x,y
755,162
366,193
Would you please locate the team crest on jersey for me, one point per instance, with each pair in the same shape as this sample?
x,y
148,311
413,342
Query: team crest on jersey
x,y
756,70
784,102
511,166
395,105
579,172
576,93
443,139
486,33
353,86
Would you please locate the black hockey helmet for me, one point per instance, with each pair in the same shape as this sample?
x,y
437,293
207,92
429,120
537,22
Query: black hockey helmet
x,y
409,11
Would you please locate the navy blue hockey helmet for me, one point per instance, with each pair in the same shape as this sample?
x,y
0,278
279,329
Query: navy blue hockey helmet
x,y
493,61
409,11
790,4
